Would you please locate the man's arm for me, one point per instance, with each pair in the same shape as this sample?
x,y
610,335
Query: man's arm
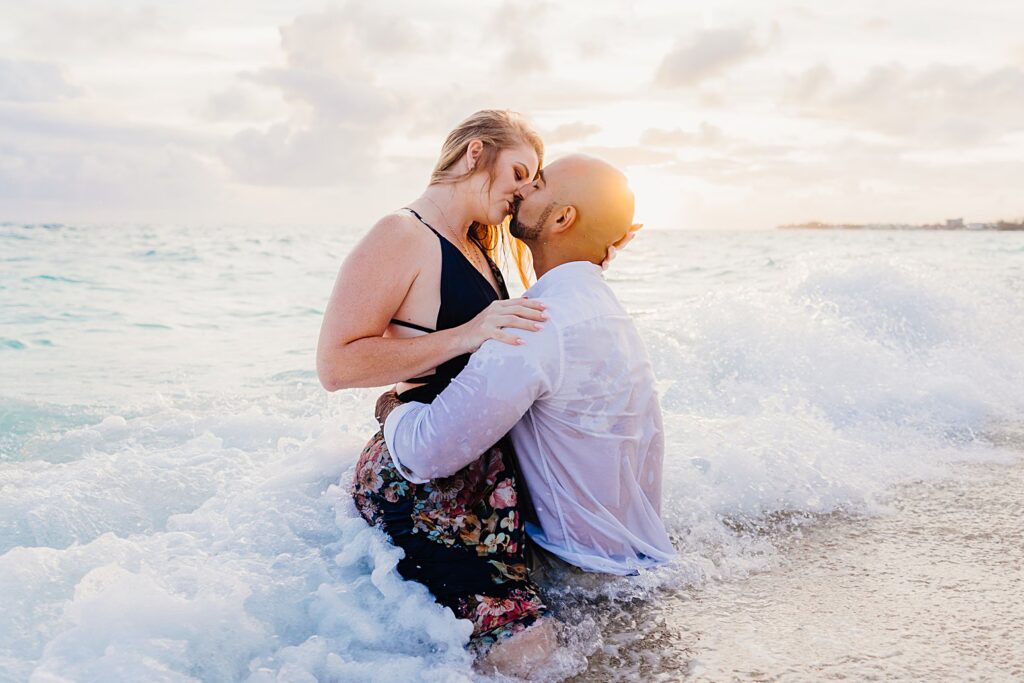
x,y
480,406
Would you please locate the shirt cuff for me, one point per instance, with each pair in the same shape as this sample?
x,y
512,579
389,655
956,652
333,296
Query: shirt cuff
x,y
390,427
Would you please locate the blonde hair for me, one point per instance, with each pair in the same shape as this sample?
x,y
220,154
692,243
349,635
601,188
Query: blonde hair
x,y
498,129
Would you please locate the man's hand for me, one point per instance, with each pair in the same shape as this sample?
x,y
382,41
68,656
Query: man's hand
x,y
387,402
620,245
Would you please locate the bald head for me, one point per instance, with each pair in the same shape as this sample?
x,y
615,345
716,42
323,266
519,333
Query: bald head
x,y
578,207
598,190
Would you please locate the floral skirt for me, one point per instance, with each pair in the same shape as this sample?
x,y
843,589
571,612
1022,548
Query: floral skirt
x,y
462,535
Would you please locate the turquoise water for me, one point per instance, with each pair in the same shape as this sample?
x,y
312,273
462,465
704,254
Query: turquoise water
x,y
172,502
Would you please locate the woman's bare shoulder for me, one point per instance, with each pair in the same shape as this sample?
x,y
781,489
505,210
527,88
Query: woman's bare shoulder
x,y
397,233
401,223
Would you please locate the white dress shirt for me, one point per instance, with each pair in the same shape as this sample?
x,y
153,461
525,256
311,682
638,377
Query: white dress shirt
x,y
580,402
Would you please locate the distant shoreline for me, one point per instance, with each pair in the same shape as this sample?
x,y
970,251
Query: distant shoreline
x,y
950,224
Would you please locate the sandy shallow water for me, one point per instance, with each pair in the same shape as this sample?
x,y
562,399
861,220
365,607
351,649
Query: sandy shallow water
x,y
932,589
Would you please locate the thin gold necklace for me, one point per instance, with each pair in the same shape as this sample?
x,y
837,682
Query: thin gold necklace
x,y
466,251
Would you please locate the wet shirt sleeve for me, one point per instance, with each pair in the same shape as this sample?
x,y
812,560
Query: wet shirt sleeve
x,y
480,406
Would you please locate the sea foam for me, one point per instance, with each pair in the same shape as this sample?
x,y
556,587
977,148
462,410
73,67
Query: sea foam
x,y
188,519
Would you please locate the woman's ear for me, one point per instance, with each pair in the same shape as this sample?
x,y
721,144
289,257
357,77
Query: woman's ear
x,y
473,151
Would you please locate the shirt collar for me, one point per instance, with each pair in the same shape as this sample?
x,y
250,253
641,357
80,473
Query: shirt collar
x,y
569,271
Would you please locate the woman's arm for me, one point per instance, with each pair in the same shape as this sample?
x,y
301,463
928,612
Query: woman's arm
x,y
371,285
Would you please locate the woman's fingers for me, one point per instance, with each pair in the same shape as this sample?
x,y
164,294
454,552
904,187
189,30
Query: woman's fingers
x,y
507,338
621,244
523,301
522,313
628,237
528,313
517,322
609,255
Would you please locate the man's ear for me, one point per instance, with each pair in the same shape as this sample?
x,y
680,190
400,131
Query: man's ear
x,y
564,219
473,151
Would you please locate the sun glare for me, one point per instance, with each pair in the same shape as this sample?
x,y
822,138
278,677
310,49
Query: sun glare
x,y
659,202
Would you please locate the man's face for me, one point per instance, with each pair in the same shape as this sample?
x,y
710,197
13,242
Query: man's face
x,y
533,207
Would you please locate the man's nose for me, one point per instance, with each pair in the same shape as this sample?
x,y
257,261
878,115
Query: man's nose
x,y
524,191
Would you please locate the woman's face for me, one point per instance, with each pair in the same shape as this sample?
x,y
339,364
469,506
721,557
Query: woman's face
x,y
514,168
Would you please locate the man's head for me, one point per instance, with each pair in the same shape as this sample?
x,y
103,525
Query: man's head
x,y
574,211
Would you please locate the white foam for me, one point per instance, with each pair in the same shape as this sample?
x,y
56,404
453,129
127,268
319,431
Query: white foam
x,y
208,534
282,578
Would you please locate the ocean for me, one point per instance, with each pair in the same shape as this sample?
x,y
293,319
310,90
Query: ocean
x,y
844,417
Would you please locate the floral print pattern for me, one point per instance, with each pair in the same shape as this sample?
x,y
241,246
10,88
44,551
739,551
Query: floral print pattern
x,y
473,513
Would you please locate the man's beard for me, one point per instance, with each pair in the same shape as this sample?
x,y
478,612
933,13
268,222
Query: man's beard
x,y
529,232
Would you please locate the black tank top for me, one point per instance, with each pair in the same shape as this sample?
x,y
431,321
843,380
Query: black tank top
x,y
464,293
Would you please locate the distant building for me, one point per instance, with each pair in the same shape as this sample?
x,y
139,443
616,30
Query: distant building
x,y
954,224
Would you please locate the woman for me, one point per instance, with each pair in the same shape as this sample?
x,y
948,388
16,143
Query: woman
x,y
415,297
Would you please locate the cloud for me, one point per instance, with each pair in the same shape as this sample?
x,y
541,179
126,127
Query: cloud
x,y
804,12
59,163
339,107
88,176
852,180
708,135
706,54
570,132
321,155
350,92
937,104
88,31
592,48
810,83
629,155
716,169
522,61
522,50
351,39
241,101
63,170
857,166
32,81
44,125
332,97
348,106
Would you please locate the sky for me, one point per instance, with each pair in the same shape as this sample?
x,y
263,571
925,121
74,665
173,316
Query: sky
x,y
724,115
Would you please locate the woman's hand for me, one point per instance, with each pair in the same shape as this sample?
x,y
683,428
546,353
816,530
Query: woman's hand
x,y
522,313
615,248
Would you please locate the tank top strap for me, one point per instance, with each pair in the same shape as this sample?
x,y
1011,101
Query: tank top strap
x,y
411,326
414,212
465,291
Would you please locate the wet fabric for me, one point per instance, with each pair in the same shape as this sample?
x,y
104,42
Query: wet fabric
x,y
581,402
463,536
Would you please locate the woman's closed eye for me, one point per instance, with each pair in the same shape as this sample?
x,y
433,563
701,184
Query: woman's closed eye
x,y
539,181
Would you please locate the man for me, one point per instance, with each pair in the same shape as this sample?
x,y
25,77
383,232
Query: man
x,y
578,395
